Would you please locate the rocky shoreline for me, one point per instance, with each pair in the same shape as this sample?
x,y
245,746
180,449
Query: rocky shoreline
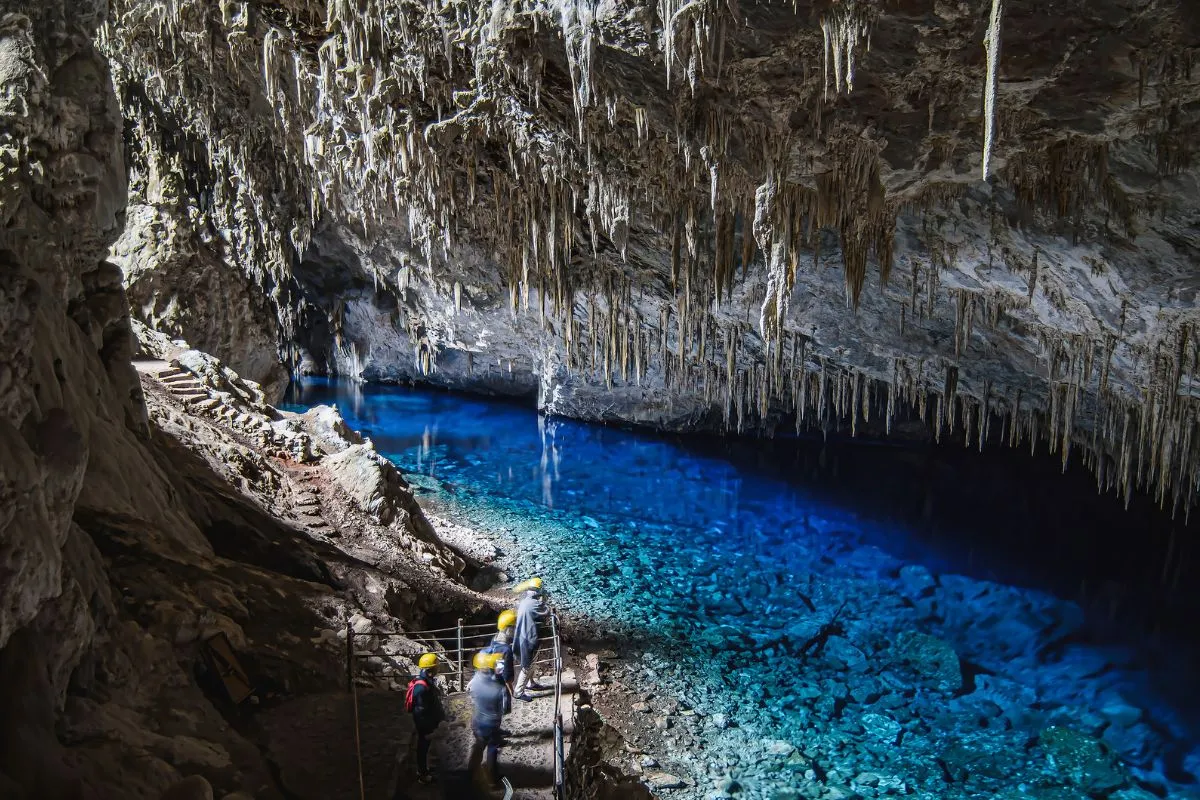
x,y
898,682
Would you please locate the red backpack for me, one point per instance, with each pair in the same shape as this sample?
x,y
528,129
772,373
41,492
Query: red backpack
x,y
408,697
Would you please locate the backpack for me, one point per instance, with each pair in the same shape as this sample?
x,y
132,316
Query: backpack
x,y
408,696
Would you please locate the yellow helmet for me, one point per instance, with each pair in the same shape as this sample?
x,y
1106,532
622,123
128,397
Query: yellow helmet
x,y
507,619
532,583
427,661
484,660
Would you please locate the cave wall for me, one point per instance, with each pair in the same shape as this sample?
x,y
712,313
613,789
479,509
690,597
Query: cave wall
x,y
65,334
67,390
708,214
110,503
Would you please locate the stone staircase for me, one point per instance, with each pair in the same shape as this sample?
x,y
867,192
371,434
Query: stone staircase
x,y
179,382
307,504
200,400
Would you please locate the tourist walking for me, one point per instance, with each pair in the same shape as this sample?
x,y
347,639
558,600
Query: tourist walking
x,y
501,644
424,702
491,700
531,612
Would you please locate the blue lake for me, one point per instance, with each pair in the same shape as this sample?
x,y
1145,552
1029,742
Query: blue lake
x,y
719,561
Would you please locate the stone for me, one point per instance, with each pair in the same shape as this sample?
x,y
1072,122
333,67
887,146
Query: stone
x,y
880,727
1132,793
663,780
1081,760
1121,713
842,652
778,747
930,657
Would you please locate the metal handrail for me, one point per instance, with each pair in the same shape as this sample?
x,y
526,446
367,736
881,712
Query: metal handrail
x,y
559,757
420,634
455,668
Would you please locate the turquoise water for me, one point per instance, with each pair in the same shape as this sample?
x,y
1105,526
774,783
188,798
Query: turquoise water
x,y
716,564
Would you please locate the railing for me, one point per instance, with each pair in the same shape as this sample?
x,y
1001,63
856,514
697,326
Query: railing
x,y
559,759
465,637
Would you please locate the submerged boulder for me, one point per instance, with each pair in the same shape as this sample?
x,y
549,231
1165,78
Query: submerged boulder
x,y
930,657
1081,760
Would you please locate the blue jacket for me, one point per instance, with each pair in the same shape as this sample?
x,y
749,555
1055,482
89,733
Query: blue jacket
x,y
501,645
427,704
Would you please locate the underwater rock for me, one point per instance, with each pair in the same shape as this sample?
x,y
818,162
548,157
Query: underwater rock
x,y
1081,760
930,657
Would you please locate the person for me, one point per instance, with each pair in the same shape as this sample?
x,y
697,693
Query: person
x,y
491,700
531,611
502,644
425,703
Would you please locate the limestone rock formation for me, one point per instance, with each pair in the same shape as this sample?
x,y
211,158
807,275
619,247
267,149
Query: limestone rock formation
x,y
177,282
701,214
132,526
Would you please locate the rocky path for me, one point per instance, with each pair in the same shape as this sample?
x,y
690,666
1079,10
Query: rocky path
x,y
311,741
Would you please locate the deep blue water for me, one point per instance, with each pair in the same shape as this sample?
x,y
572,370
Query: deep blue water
x,y
670,538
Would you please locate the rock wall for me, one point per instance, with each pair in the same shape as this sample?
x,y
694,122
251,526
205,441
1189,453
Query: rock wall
x,y
674,213
178,282
65,378
131,530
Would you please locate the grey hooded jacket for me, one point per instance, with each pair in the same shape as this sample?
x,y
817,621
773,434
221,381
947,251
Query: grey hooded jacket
x,y
491,700
531,612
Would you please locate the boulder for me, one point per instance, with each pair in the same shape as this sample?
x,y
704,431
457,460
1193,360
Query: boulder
x,y
371,481
1081,760
930,657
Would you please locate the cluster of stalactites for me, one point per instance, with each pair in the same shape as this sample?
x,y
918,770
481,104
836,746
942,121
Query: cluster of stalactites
x,y
844,28
692,35
1143,439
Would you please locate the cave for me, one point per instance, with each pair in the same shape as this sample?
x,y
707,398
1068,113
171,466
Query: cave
x,y
834,365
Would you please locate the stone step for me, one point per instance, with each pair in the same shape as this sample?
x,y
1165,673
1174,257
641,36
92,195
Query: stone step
x,y
206,405
177,377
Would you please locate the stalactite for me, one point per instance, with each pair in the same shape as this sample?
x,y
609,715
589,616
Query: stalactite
x,y
991,43
843,28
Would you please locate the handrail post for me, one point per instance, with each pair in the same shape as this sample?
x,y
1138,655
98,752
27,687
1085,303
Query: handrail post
x,y
349,656
460,654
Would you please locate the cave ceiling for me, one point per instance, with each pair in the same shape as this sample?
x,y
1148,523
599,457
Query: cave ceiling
x,y
986,211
